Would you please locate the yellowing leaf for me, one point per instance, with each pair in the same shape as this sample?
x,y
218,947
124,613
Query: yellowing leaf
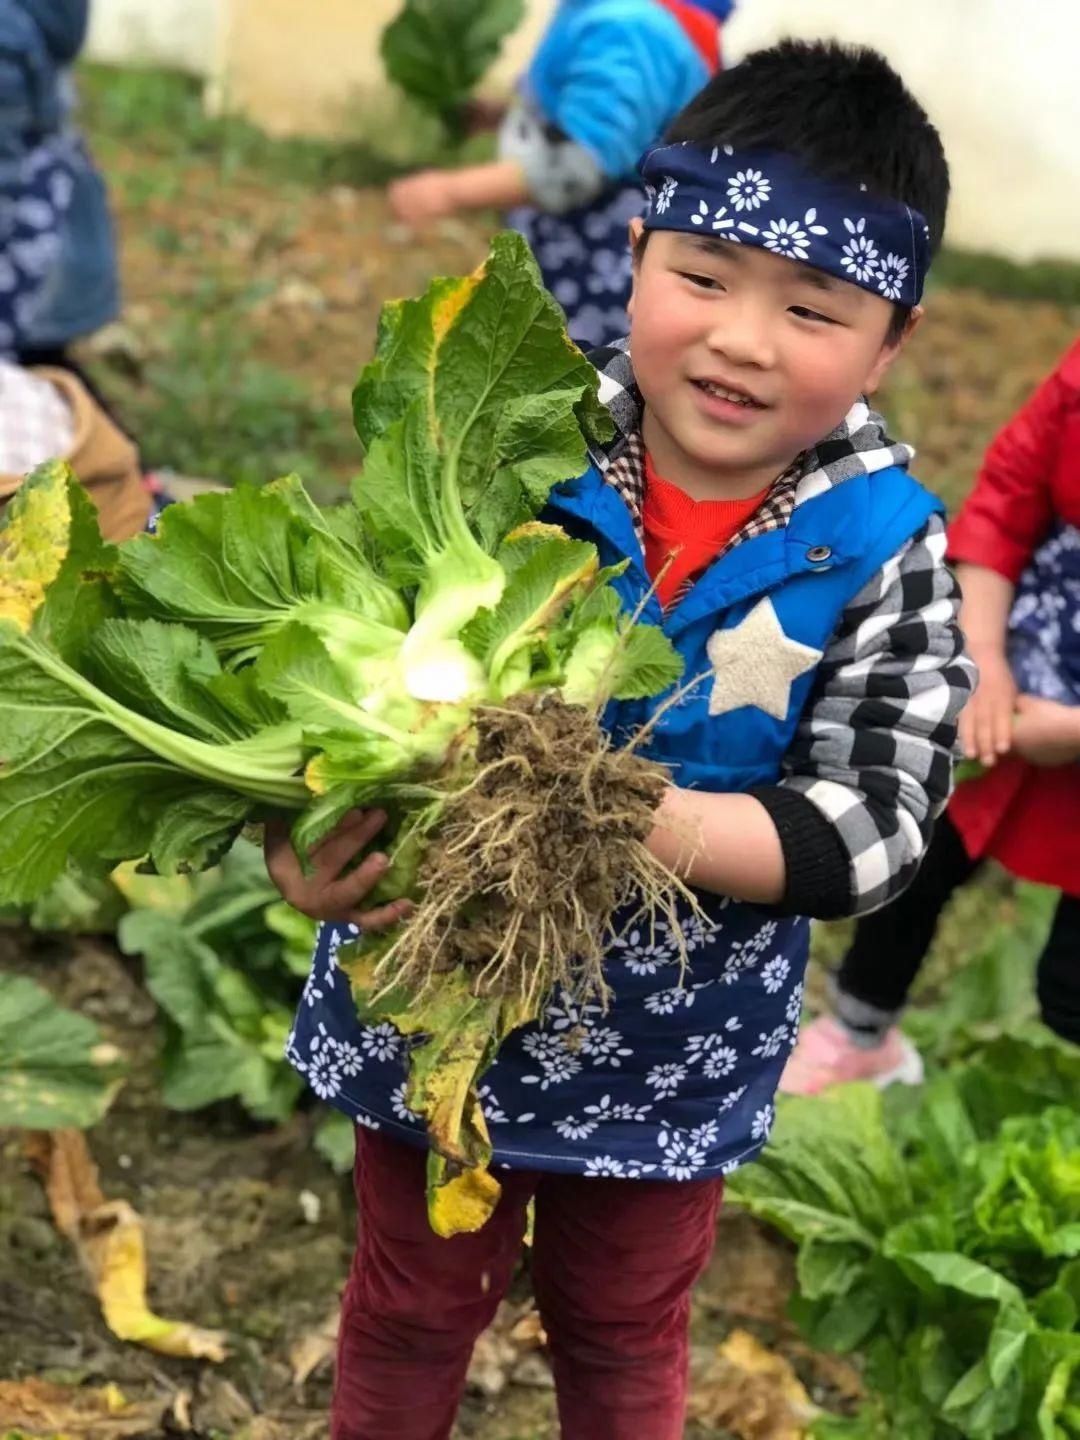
x,y
461,1203
750,1392
461,1034
63,1412
451,302
108,1236
34,542
167,894
315,1348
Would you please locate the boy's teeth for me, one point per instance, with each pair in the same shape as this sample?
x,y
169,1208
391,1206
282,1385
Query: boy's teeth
x,y
723,394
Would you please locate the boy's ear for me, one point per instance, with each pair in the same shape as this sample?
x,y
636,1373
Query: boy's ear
x,y
636,230
891,349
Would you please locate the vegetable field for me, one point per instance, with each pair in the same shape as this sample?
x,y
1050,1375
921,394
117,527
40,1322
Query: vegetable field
x,y
908,1267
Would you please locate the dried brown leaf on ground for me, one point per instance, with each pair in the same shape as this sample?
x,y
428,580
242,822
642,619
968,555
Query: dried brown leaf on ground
x,y
834,1373
109,1238
40,1407
750,1391
509,1352
751,1273
315,1348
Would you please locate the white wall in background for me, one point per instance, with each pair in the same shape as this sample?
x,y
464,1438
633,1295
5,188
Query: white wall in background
x,y
181,34
998,79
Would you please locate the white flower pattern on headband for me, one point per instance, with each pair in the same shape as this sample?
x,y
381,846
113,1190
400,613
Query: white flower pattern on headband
x,y
758,198
784,237
666,195
721,220
747,189
894,271
860,255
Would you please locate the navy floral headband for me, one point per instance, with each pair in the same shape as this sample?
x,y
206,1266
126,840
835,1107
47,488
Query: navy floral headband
x,y
769,199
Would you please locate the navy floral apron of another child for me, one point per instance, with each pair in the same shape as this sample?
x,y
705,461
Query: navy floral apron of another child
x,y
585,261
1044,627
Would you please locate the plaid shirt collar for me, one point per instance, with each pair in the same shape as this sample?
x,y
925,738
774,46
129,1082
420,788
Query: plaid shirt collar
x,y
858,446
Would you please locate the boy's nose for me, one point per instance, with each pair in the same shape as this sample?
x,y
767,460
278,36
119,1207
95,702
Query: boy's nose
x,y
744,336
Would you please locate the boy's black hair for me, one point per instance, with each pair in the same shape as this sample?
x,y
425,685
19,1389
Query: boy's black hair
x,y
842,110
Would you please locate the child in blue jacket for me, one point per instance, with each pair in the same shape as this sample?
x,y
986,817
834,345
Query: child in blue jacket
x,y
608,76
778,272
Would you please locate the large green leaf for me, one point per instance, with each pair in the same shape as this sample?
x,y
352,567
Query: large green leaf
x,y
994,992
438,50
219,973
476,389
77,785
830,1171
180,968
118,738
240,565
1013,1324
55,1071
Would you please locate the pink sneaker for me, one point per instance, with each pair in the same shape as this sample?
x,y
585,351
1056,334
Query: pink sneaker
x,y
826,1055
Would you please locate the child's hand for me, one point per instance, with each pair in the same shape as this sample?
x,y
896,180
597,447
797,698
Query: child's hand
x,y
421,198
327,894
1046,733
986,723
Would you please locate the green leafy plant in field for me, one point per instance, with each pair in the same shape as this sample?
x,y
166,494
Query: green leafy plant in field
x,y
55,1069
208,406
224,958
993,992
943,1243
162,114
439,50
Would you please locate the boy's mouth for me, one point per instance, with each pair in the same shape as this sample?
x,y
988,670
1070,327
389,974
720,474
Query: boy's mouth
x,y
727,392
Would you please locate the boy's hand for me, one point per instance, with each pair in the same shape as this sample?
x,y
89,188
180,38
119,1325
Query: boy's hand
x,y
327,894
986,723
1046,733
419,199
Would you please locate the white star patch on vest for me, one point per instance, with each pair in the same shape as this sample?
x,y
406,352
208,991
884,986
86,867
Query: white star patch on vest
x,y
755,663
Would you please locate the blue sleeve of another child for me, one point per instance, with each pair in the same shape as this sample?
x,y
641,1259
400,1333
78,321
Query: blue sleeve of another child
x,y
613,75
62,23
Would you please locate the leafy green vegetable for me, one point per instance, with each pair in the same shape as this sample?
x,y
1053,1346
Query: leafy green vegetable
x,y
134,722
948,1255
259,654
994,992
218,969
438,50
335,1141
55,1070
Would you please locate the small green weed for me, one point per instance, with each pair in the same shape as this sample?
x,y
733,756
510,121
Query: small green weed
x,y
1057,281
162,112
206,405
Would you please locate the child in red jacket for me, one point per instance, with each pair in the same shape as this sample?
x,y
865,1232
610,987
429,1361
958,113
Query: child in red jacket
x,y
1016,547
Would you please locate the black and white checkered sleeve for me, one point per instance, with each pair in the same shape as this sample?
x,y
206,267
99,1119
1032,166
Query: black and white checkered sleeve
x,y
870,767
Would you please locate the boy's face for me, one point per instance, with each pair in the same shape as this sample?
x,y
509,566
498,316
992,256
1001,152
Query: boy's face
x,y
745,359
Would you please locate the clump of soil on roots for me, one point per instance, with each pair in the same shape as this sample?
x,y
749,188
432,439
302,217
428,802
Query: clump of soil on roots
x,y
532,858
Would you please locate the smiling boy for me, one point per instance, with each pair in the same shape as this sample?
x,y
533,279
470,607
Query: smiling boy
x,y
770,526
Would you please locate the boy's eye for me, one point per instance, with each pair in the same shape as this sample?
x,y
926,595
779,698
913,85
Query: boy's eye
x,y
805,313
706,282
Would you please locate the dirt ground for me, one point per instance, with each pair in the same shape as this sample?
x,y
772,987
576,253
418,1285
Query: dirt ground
x,y
247,1229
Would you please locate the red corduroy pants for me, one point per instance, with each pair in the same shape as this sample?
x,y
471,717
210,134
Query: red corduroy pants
x,y
613,1263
